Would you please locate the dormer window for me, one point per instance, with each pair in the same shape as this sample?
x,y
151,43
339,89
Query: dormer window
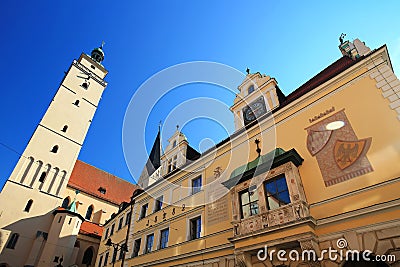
x,y
250,89
102,190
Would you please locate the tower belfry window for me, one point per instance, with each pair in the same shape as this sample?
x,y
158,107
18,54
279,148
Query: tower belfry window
x,y
42,177
28,205
54,149
85,84
64,129
76,103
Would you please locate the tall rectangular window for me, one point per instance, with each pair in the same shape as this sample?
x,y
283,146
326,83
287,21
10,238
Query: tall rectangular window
x,y
143,211
277,193
248,203
121,221
158,203
136,247
121,252
114,255
106,235
106,259
195,228
164,238
128,218
112,229
100,261
149,243
12,242
196,185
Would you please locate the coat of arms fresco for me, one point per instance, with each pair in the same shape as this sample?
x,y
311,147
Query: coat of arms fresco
x,y
340,154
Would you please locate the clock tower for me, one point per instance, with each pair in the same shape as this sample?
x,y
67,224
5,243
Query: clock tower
x,y
35,188
258,95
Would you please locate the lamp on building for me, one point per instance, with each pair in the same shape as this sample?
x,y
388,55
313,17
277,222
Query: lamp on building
x,y
123,248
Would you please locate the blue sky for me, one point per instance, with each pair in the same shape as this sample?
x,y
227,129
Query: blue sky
x,y
289,40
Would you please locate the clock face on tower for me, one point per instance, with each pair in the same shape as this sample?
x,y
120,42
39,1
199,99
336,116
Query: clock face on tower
x,y
254,110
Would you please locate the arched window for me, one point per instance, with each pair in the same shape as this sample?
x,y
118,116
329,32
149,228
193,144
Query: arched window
x,y
76,103
42,177
174,143
31,160
28,205
85,84
65,203
13,241
88,256
54,149
64,129
251,89
89,212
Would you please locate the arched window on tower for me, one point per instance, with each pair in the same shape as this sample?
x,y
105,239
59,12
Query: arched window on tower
x,y
54,149
76,103
42,177
89,212
65,203
13,241
85,84
64,129
28,205
88,256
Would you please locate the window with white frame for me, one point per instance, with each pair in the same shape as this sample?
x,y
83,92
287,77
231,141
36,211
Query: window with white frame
x,y
164,235
277,192
248,203
196,185
136,247
143,211
158,203
195,228
149,243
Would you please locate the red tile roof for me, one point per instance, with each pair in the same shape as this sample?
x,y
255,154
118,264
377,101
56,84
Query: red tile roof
x,y
92,229
325,75
88,179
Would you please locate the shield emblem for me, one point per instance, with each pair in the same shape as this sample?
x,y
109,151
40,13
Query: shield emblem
x,y
347,152
316,140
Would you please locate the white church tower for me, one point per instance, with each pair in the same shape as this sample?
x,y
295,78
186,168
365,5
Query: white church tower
x,y
34,189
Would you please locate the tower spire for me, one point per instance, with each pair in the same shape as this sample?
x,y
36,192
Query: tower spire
x,y
98,54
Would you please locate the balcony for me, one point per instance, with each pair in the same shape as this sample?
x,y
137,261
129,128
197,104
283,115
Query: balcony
x,y
281,217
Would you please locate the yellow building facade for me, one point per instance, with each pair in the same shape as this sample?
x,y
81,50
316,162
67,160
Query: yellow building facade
x,y
316,170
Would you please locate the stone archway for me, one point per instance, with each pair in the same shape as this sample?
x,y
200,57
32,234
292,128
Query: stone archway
x,y
88,257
